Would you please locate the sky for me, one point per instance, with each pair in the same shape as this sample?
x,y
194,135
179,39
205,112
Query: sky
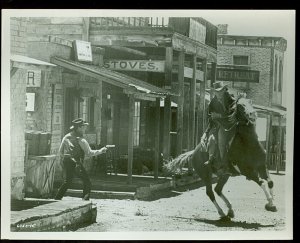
x,y
276,23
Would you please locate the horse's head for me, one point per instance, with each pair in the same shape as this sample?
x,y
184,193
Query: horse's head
x,y
245,111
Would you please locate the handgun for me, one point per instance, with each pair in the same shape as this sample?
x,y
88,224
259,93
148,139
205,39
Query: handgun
x,y
110,146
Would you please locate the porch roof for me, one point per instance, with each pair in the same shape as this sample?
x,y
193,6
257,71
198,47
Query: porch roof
x,y
129,84
273,110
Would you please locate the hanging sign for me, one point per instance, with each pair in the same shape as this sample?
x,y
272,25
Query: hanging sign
x,y
33,78
237,75
30,100
135,65
83,51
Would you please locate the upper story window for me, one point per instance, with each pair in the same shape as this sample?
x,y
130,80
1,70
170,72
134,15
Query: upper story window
x,y
280,76
275,73
240,60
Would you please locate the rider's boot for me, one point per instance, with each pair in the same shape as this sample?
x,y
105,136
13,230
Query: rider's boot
x,y
210,161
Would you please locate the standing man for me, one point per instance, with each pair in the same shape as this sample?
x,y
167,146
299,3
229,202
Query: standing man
x,y
219,110
72,151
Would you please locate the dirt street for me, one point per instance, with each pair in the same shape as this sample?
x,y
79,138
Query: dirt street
x,y
191,210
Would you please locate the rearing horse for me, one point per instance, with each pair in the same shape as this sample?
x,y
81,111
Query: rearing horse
x,y
245,154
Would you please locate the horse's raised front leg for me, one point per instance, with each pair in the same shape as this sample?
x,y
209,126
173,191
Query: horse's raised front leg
x,y
267,185
269,195
218,189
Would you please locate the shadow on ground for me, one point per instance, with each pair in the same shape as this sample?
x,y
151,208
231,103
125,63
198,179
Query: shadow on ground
x,y
275,173
167,193
232,223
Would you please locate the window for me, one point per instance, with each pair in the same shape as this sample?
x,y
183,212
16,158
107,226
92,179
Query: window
x,y
86,110
275,74
240,60
136,124
280,76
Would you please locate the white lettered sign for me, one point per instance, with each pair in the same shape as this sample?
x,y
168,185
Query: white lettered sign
x,y
135,65
33,78
30,99
83,51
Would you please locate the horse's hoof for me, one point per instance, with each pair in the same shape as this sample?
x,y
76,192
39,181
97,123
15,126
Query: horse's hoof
x,y
271,208
230,213
224,219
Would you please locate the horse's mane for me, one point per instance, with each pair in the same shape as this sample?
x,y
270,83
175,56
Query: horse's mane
x,y
233,110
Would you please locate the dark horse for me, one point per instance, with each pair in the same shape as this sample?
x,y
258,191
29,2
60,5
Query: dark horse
x,y
245,155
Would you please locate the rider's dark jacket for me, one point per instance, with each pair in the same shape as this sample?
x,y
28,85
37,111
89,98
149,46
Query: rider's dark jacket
x,y
223,108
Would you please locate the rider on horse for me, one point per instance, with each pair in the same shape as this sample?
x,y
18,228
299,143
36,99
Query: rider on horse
x,y
219,111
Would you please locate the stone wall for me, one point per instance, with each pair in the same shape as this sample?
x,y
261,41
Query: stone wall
x,y
17,108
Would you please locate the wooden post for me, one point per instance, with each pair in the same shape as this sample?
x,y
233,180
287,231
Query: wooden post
x,y
278,152
180,101
167,127
130,137
192,105
157,128
98,115
268,144
270,136
167,106
213,75
203,88
201,109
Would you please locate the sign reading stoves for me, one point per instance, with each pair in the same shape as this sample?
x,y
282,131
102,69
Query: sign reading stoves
x,y
237,75
135,65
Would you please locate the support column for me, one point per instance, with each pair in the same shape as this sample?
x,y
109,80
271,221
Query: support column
x,y
180,102
278,152
97,117
167,102
157,128
201,106
270,138
268,141
192,105
130,137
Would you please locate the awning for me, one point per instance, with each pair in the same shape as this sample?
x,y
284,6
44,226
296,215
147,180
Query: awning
x,y
173,104
273,110
129,84
29,60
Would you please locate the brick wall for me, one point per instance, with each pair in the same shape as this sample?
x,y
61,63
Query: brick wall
x,y
17,120
39,29
18,35
260,59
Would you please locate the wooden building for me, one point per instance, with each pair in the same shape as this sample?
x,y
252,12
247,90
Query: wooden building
x,y
141,86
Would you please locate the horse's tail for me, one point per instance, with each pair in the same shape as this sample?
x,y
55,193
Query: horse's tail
x,y
176,164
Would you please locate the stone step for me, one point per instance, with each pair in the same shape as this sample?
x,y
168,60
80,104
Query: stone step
x,y
96,194
67,214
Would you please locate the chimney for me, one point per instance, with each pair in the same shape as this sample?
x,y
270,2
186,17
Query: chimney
x,y
222,29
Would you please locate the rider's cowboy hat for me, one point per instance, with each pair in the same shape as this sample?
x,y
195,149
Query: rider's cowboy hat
x,y
78,123
219,85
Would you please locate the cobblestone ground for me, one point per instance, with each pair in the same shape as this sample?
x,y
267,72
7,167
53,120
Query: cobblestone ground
x,y
191,210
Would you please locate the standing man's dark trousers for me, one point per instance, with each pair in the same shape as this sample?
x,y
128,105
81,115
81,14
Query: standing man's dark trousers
x,y
69,170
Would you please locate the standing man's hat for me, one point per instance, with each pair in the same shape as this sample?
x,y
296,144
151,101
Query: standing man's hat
x,y
78,123
219,85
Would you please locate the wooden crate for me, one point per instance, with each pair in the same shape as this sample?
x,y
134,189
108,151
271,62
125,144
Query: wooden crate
x,y
39,179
